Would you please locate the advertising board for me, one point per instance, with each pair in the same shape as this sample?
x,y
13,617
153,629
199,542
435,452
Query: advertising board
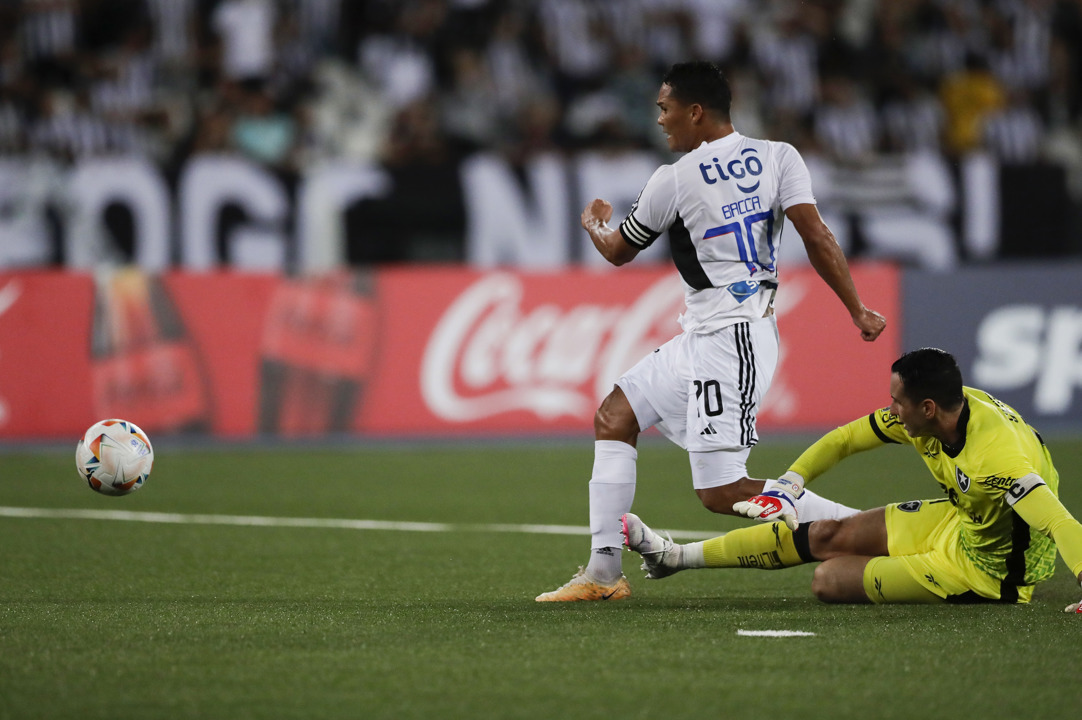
x,y
418,351
1015,329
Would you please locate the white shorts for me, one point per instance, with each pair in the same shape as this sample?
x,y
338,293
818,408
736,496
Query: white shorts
x,y
703,391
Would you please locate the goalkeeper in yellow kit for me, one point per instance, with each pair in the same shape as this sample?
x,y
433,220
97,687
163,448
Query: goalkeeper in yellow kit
x,y
991,539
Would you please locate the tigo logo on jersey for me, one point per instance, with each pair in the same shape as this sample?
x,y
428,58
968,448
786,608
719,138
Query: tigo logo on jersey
x,y
963,480
738,170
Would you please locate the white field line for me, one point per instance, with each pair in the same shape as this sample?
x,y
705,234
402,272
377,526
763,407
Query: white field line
x,y
775,633
332,523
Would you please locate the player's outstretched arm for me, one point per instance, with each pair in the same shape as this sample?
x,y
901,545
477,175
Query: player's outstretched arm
x,y
829,261
608,241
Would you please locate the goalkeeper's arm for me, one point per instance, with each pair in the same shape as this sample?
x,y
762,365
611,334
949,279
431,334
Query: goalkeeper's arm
x,y
826,452
778,500
1034,502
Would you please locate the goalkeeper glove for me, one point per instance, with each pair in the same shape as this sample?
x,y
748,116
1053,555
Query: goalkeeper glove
x,y
777,501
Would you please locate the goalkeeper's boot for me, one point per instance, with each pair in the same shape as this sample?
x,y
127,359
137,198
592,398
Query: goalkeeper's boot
x,y
584,587
661,557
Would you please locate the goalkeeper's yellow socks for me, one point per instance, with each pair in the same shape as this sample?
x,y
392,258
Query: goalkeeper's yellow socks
x,y
767,547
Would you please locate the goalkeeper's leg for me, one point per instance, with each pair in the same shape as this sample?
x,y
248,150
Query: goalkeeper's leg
x,y
766,546
773,546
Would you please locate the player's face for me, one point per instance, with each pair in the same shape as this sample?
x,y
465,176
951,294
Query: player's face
x,y
910,413
675,121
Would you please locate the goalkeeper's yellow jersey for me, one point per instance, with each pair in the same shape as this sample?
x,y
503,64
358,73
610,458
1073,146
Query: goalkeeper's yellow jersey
x,y
1011,522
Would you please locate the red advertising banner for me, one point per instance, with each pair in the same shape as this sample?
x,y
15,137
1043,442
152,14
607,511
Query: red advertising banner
x,y
411,351
45,384
827,375
508,352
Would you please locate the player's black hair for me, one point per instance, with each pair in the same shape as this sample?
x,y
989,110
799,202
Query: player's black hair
x,y
700,83
930,373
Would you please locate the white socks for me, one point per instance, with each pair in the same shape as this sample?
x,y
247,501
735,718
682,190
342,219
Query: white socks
x,y
612,490
816,507
692,555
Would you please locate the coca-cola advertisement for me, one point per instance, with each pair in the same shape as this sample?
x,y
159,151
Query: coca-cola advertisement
x,y
46,389
527,353
142,360
438,351
319,339
510,352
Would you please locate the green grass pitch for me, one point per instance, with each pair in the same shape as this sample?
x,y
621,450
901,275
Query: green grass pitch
x,y
115,619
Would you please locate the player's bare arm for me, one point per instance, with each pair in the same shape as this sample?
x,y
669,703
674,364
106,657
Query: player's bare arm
x,y
608,241
829,261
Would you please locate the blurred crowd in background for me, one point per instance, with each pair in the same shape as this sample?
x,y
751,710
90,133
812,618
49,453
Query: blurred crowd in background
x,y
939,131
293,82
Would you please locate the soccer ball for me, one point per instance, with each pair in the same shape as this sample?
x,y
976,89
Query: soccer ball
x,y
114,457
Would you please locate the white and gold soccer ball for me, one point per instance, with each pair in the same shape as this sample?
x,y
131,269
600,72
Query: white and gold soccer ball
x,y
114,457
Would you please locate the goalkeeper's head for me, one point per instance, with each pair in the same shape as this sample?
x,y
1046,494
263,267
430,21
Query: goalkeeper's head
x,y
930,374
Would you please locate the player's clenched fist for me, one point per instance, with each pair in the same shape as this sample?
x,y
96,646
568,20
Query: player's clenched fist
x,y
598,212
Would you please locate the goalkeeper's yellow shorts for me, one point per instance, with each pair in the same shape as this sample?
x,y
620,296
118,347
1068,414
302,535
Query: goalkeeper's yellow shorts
x,y
926,562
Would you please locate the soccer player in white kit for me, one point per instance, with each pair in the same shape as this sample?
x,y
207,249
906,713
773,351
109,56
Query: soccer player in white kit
x,y
722,203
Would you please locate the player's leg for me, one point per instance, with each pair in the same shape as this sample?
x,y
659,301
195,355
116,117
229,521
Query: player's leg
x,y
863,534
612,483
889,555
768,546
841,580
859,579
729,372
927,564
720,498
632,404
774,545
612,490
720,479
845,547
903,553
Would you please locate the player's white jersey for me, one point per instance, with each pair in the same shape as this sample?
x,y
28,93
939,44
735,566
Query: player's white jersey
x,y
723,206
